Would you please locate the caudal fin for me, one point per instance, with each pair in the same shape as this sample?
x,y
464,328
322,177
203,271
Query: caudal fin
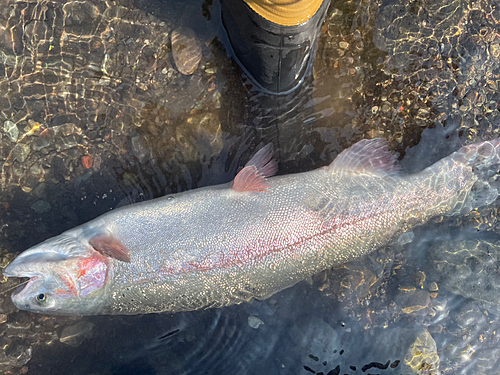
x,y
478,163
484,159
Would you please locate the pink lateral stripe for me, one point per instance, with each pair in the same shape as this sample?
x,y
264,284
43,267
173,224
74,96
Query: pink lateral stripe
x,y
260,250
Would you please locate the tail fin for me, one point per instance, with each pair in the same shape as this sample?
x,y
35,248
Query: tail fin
x,y
475,169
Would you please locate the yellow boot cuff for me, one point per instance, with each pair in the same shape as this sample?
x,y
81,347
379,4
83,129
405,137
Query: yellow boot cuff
x,y
285,12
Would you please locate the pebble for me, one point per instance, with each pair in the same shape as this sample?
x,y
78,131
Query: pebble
x,y
36,170
405,238
41,206
87,161
16,326
422,356
186,50
254,322
20,152
423,112
495,50
66,130
40,143
470,317
387,107
433,287
210,70
343,45
11,129
412,301
65,143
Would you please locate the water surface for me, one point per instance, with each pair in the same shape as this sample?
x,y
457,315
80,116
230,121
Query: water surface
x,y
95,114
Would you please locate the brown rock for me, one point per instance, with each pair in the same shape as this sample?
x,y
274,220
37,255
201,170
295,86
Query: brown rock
x,y
186,50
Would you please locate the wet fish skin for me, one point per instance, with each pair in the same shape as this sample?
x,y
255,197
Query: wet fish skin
x,y
227,244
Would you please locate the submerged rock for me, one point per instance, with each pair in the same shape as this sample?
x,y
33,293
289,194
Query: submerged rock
x,y
75,334
318,340
422,356
20,152
12,130
41,206
186,50
468,267
254,322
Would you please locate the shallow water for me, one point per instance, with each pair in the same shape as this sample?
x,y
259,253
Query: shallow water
x,y
95,115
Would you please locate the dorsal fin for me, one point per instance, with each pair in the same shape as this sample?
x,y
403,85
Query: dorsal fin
x,y
109,246
253,176
367,156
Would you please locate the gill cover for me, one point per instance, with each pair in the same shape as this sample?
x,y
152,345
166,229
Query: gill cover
x,y
65,277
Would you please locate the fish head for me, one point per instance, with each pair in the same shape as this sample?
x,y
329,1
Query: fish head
x,y
65,278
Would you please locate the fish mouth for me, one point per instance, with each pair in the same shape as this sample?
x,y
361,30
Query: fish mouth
x,y
11,271
27,277
29,264
25,284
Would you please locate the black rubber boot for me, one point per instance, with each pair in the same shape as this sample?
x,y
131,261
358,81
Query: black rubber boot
x,y
276,58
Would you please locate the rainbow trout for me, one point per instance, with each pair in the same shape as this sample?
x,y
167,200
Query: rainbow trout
x,y
226,244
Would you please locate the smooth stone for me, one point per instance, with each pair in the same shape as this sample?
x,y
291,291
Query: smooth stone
x,y
11,129
41,206
254,322
186,50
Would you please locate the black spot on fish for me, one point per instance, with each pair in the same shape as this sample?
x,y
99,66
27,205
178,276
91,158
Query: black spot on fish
x,y
335,371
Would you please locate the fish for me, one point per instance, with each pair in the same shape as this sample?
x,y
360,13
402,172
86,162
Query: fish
x,y
250,238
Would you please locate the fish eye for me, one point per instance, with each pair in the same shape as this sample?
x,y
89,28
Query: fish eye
x,y
41,298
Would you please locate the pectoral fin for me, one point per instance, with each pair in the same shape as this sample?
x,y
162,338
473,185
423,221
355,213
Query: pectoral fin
x,y
109,246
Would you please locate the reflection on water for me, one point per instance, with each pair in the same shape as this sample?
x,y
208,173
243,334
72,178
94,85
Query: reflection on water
x,y
95,113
